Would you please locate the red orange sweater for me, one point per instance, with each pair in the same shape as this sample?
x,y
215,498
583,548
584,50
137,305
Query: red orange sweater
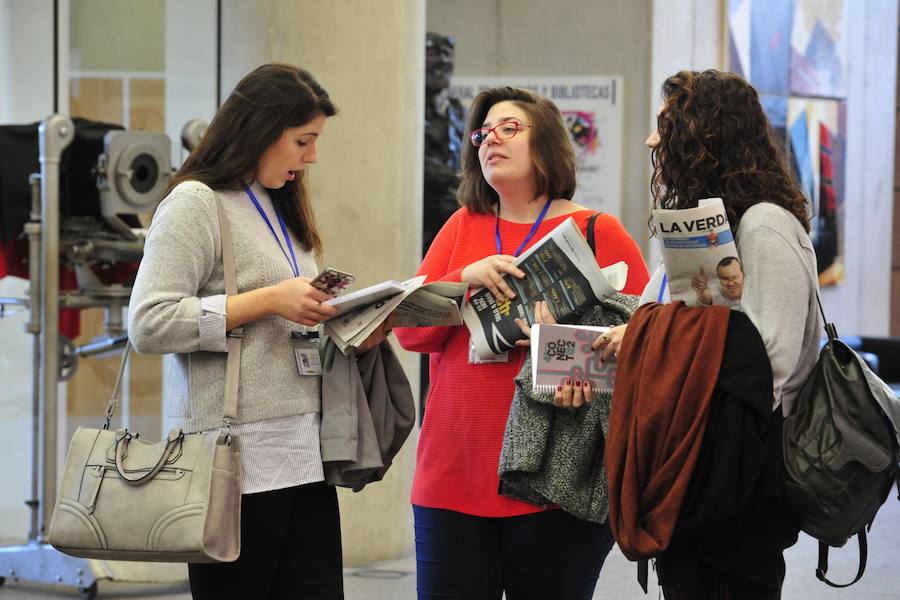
x,y
467,406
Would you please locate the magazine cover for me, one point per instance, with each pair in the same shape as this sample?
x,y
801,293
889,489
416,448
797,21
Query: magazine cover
x,y
700,256
561,270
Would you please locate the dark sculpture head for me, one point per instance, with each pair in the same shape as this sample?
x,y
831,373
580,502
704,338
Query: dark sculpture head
x,y
439,54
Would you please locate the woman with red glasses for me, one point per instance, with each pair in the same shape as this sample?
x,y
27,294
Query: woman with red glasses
x,y
518,181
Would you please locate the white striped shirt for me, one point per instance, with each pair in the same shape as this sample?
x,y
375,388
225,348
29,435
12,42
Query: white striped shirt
x,y
280,453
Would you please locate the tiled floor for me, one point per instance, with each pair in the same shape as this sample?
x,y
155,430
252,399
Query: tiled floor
x,y
396,580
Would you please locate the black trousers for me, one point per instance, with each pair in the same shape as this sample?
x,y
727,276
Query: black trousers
x,y
290,548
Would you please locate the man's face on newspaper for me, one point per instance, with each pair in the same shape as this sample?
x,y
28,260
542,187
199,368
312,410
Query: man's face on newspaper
x,y
731,280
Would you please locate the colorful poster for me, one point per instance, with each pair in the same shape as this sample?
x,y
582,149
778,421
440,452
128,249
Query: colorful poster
x,y
593,111
818,141
776,108
759,49
794,52
819,48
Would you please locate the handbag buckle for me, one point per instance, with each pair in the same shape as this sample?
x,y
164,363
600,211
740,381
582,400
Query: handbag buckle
x,y
227,422
109,414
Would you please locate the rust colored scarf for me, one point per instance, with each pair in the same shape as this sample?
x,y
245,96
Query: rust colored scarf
x,y
668,366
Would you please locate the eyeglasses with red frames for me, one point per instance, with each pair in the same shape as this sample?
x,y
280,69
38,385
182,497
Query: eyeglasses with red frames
x,y
502,131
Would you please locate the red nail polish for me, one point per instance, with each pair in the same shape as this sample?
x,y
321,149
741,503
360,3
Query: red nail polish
x,y
559,388
578,383
568,381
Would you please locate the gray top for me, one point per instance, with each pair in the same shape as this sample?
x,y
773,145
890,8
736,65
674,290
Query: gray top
x,y
182,265
779,295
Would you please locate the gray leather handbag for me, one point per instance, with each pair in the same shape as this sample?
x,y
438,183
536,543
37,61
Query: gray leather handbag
x,y
178,500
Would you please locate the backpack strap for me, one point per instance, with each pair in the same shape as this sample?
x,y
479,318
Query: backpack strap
x,y
590,233
822,569
643,573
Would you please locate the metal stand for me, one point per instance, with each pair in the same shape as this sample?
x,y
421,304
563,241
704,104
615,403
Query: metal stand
x,y
55,358
37,560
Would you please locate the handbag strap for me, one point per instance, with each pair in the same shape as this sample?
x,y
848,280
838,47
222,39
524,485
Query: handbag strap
x,y
123,437
235,337
590,231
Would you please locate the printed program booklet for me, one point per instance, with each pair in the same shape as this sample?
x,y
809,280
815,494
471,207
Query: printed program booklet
x,y
413,302
699,254
559,351
561,270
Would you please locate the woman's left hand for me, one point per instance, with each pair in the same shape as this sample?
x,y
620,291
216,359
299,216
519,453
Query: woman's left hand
x,y
376,337
542,314
573,393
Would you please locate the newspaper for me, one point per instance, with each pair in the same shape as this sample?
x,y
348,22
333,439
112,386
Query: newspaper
x,y
700,257
419,304
560,269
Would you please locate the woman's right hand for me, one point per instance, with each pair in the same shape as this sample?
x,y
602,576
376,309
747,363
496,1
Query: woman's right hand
x,y
610,343
489,271
296,300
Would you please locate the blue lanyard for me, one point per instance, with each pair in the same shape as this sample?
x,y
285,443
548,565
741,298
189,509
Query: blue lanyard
x,y
662,288
530,233
284,230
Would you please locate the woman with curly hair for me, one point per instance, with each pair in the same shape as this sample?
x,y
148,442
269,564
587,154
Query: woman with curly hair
x,y
713,140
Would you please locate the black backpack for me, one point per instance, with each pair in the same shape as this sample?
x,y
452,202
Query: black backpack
x,y
840,450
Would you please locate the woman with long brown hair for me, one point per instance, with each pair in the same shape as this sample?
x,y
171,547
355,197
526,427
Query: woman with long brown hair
x,y
252,160
713,140
518,183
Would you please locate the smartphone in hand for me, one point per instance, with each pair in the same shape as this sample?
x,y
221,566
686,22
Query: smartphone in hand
x,y
332,282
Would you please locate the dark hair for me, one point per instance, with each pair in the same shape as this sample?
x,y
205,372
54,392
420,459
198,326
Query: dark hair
x,y
715,140
727,261
268,100
552,154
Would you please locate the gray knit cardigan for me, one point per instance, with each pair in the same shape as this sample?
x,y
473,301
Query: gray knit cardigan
x,y
553,455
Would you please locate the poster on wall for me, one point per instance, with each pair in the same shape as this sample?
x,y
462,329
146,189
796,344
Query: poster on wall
x,y
819,48
794,52
592,110
818,139
758,43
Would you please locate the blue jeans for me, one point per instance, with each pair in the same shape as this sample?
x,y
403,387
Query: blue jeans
x,y
549,555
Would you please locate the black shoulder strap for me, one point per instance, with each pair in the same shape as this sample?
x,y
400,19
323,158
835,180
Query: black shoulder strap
x,y
643,573
590,232
822,569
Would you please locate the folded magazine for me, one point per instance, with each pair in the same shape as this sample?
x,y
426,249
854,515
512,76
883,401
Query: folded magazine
x,y
413,302
561,270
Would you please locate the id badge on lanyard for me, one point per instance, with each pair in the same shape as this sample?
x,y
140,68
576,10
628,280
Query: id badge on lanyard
x,y
306,351
475,359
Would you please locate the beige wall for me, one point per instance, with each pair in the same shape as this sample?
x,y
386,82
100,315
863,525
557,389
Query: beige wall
x,y
367,186
565,37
